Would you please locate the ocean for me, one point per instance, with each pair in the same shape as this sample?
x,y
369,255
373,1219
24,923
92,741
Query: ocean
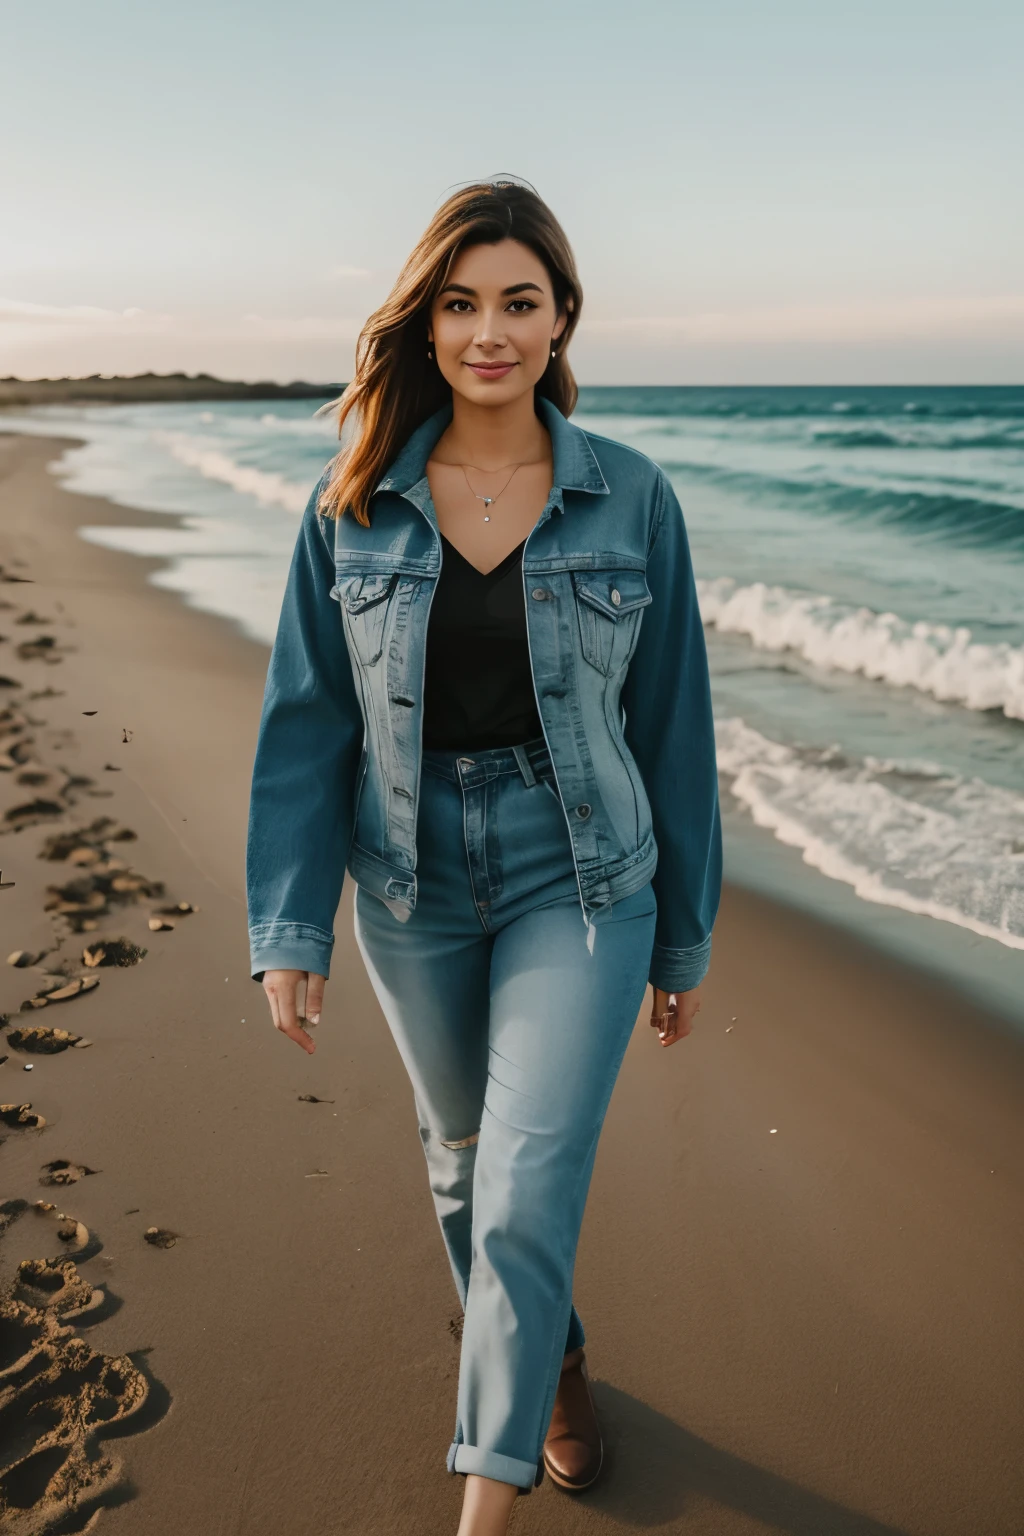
x,y
860,562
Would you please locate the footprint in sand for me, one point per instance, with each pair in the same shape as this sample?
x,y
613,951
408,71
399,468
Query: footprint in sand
x,y
60,990
57,787
84,901
41,1041
120,952
32,812
60,1170
164,919
58,1397
21,1116
92,839
73,1234
40,648
161,1237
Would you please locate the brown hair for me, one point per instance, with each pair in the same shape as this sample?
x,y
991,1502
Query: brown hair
x,y
396,386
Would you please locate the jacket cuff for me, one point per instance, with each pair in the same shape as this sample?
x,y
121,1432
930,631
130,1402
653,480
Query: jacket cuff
x,y
680,970
289,947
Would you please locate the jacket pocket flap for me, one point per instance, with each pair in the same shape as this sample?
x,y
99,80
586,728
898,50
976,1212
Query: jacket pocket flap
x,y
612,593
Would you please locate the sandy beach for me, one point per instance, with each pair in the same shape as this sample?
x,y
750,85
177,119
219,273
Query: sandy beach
x,y
800,1268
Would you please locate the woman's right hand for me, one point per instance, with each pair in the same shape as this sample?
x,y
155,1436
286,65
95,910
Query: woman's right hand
x,y
295,996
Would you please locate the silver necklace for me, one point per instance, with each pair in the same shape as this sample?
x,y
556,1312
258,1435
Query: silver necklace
x,y
489,501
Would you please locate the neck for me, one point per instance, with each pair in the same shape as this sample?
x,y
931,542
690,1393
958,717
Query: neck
x,y
493,436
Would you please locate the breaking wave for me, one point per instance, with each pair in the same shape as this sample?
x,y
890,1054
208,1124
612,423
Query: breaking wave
x,y
265,486
933,658
902,834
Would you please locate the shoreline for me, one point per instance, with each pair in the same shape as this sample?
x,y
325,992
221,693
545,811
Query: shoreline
x,y
813,1330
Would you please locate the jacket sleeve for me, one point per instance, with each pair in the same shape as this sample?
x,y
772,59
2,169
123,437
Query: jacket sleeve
x,y
670,731
304,776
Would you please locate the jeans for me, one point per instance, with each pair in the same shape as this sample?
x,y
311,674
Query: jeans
x,y
512,1015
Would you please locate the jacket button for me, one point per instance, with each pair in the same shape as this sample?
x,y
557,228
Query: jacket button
x,y
616,596
540,593
583,811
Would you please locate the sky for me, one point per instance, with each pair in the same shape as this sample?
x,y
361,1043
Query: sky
x,y
794,193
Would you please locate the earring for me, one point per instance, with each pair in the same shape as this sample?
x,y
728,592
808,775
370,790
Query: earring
x,y
552,351
430,354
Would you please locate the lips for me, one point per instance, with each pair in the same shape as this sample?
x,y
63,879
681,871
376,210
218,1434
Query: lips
x,y
491,371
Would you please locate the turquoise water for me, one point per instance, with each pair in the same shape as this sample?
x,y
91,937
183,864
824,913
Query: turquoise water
x,y
860,558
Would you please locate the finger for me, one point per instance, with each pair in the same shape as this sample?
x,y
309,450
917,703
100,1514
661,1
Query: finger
x,y
670,1022
673,1033
286,1017
298,1034
314,997
659,1007
271,995
287,1004
689,1014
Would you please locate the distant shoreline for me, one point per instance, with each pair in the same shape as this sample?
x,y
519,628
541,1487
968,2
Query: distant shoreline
x,y
156,387
177,388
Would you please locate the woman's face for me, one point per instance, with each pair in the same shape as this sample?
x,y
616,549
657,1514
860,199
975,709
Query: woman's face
x,y
493,325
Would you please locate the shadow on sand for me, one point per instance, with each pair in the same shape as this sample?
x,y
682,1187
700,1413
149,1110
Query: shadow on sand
x,y
655,1469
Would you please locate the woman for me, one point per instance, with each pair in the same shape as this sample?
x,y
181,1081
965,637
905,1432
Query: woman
x,y
489,699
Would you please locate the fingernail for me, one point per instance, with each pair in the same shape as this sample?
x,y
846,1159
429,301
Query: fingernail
x,y
313,1018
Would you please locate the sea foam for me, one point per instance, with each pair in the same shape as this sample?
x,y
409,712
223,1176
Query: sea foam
x,y
902,834
933,658
264,486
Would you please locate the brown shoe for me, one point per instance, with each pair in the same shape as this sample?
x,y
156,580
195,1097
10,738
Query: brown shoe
x,y
573,1451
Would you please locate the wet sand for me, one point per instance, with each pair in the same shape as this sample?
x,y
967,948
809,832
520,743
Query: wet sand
x,y
817,1331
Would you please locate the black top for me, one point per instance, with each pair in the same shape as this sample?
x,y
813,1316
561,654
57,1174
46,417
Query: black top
x,y
479,684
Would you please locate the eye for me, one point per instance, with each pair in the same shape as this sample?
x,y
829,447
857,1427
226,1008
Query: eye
x,y
527,304
453,305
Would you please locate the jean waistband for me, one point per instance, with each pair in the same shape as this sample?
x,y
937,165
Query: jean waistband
x,y
531,760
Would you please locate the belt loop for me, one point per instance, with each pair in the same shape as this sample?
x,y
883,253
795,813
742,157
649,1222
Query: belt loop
x,y
529,777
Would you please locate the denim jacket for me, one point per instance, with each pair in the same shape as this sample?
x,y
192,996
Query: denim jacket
x,y
620,676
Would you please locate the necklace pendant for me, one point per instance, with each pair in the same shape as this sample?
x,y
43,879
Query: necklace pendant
x,y
486,500
486,518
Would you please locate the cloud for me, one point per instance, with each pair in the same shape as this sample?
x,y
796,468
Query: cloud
x,y
20,312
889,320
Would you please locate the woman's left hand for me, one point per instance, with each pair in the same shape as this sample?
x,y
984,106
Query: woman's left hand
x,y
673,1014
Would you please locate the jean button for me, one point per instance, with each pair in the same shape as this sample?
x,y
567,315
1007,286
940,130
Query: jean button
x,y
540,593
583,811
616,596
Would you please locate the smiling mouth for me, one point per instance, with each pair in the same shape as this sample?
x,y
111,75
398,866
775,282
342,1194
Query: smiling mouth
x,y
491,370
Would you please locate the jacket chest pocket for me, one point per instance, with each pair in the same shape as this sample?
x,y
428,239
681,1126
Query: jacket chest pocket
x,y
610,605
366,601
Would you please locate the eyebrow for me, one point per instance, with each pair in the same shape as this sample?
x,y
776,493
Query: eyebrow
x,y
507,293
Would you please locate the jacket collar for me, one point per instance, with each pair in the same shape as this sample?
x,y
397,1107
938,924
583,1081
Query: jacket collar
x,y
575,465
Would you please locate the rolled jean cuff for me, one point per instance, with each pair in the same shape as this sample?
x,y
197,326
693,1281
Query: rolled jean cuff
x,y
289,947
679,970
503,1469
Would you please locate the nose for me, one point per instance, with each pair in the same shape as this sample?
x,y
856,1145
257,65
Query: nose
x,y
490,330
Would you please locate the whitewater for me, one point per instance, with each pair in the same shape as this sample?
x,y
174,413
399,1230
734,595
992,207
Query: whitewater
x,y
938,659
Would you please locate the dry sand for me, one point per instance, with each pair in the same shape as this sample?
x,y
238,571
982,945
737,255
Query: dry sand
x,y
816,1331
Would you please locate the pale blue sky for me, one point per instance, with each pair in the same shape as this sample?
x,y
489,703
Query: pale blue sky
x,y
796,192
